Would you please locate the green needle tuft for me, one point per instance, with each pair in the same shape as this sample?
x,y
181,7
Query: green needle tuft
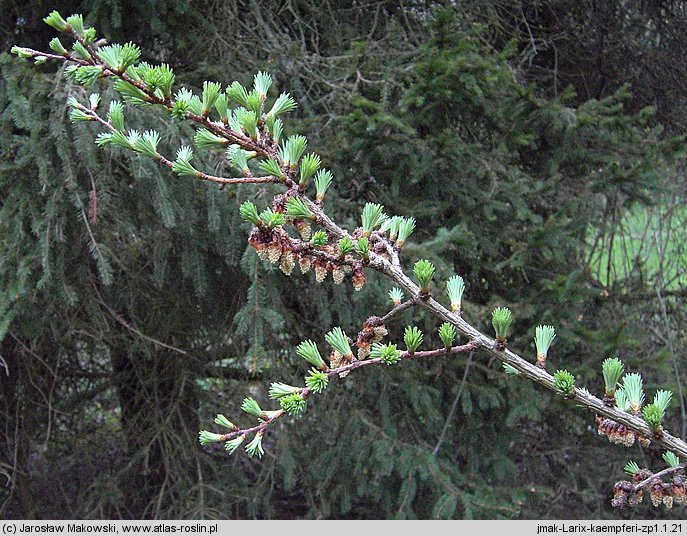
x,y
501,319
455,286
412,337
447,334
424,272
564,382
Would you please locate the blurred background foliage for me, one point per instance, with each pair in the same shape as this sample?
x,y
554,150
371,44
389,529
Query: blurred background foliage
x,y
538,144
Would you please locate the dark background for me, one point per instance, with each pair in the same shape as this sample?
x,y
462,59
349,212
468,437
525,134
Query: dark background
x,y
538,144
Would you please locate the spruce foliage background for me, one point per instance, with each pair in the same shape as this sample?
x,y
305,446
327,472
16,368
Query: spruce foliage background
x,y
131,309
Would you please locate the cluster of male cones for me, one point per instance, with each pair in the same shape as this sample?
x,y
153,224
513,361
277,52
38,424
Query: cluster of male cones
x,y
626,493
619,434
320,251
276,246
